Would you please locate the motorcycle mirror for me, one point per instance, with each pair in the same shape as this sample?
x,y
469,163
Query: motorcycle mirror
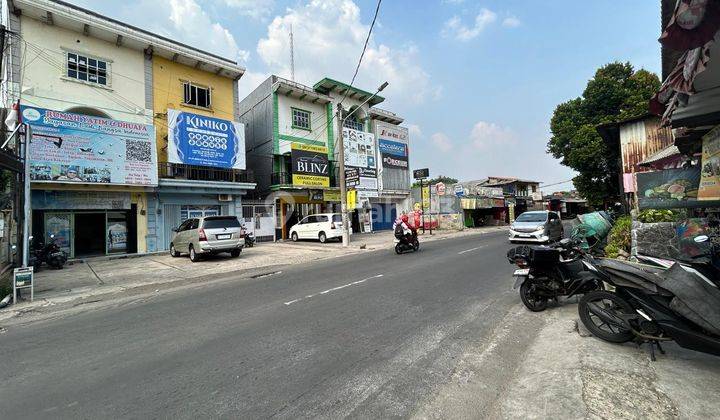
x,y
701,238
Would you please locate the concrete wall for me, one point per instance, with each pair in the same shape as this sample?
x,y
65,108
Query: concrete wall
x,y
44,83
168,78
318,119
256,112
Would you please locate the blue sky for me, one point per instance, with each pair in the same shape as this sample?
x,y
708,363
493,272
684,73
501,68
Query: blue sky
x,y
476,81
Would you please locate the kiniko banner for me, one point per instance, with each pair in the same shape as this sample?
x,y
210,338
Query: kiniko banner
x,y
75,148
710,172
205,141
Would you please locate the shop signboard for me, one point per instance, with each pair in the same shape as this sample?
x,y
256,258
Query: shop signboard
x,y
368,179
331,195
394,154
74,148
117,236
421,173
23,279
310,166
459,190
80,200
426,197
440,188
352,177
359,148
670,188
710,172
205,141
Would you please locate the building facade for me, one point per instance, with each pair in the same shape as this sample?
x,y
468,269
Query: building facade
x,y
86,86
287,123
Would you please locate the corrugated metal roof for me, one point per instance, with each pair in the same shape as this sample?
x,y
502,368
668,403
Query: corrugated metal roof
x,y
665,153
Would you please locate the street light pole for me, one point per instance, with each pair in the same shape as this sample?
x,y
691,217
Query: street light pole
x,y
341,158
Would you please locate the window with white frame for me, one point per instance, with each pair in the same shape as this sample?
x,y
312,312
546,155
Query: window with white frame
x,y
197,95
353,123
87,69
300,119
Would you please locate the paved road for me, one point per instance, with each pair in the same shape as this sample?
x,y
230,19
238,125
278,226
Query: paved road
x,y
372,335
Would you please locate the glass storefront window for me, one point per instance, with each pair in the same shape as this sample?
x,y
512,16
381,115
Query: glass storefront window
x,y
188,212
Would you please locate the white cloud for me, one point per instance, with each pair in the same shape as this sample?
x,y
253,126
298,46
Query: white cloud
x,y
329,37
192,25
415,131
455,27
253,8
442,141
485,135
511,22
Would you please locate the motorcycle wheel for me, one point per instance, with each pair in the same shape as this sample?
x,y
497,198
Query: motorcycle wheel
x,y
530,299
416,245
398,249
607,301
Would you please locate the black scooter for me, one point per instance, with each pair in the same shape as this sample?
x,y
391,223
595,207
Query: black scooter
x,y
49,253
651,305
405,243
549,272
249,237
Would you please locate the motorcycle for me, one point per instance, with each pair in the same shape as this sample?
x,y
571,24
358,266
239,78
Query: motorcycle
x,y
404,242
654,304
249,237
548,272
49,253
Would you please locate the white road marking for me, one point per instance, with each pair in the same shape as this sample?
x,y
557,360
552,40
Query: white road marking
x,y
470,250
324,292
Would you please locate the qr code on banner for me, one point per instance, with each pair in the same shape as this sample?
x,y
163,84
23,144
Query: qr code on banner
x,y
137,151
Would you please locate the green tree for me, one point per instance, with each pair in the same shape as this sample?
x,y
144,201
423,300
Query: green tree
x,y
616,92
442,178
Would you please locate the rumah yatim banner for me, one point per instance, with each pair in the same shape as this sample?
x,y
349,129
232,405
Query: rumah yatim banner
x,y
75,148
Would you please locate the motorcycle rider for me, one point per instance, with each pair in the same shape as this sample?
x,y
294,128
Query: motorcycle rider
x,y
408,232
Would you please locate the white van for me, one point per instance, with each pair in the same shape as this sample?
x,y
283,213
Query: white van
x,y
321,226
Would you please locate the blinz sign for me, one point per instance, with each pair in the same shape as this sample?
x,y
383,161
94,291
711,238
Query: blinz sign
x,y
310,166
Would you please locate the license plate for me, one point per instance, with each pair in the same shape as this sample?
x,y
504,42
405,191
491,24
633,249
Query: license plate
x,y
524,236
225,236
522,272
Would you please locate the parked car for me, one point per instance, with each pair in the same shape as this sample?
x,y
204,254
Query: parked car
x,y
537,226
322,227
208,235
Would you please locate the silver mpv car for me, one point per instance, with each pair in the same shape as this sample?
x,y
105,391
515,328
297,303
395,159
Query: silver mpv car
x,y
208,235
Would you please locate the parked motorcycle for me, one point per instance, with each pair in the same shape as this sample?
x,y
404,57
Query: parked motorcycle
x,y
249,237
49,253
651,304
405,243
548,272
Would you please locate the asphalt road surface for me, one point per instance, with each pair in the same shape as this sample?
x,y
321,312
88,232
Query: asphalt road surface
x,y
371,335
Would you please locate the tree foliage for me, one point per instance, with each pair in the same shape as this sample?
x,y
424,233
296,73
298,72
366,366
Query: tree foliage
x,y
442,178
616,92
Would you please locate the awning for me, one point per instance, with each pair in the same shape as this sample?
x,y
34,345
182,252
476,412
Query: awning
x,y
669,152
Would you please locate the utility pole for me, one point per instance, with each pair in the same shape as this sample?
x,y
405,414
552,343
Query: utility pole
x,y
27,215
343,186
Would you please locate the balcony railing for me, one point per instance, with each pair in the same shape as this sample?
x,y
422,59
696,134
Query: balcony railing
x,y
203,173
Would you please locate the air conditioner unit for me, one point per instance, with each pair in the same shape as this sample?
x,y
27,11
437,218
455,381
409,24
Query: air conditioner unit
x,y
225,197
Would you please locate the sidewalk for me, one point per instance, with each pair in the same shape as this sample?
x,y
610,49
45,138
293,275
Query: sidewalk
x,y
552,368
104,276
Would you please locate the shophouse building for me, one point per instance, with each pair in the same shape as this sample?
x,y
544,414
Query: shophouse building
x,y
88,87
